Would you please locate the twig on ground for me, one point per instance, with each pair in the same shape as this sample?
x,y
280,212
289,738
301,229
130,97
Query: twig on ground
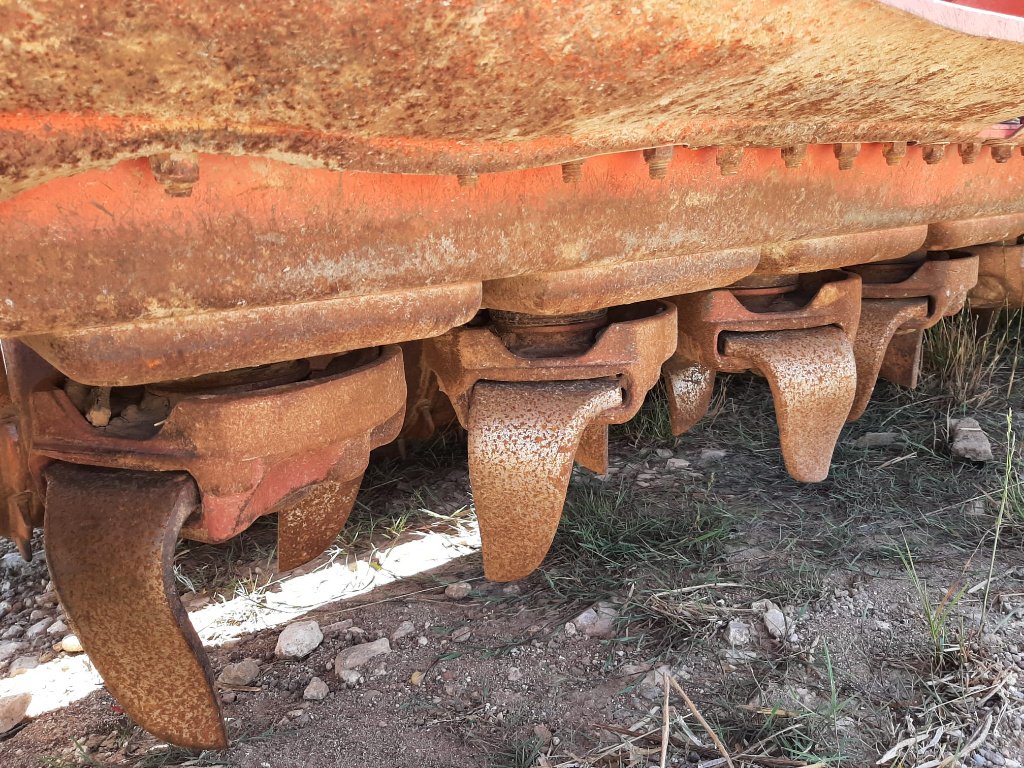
x,y
700,718
664,722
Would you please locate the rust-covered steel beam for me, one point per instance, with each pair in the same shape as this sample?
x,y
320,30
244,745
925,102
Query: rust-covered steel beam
x,y
477,87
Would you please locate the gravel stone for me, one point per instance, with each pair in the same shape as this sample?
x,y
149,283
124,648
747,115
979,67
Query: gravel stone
x,y
357,655
317,690
243,672
458,591
299,639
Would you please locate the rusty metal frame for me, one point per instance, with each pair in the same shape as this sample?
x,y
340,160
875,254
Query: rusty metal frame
x,y
801,341
248,451
900,301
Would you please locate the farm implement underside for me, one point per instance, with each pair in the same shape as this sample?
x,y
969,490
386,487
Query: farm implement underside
x,y
243,247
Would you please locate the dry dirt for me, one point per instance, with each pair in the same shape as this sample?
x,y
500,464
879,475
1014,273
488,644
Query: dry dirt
x,y
685,555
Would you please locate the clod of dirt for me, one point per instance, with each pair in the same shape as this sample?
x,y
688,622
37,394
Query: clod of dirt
x,y
317,690
462,634
12,710
244,672
458,591
357,655
968,440
298,639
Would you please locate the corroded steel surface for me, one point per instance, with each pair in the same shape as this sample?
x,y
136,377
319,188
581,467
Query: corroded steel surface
x,y
813,376
815,254
1000,276
630,349
949,235
471,87
523,438
183,347
797,333
626,283
112,249
901,300
15,515
880,319
247,450
110,538
825,298
536,393
310,520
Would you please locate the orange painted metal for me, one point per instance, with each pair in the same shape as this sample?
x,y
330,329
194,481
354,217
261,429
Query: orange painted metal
x,y
251,451
110,250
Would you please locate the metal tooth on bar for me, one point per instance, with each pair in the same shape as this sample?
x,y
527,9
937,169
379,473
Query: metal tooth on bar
x,y
658,160
793,156
205,457
894,152
900,300
846,153
933,153
536,393
729,160
969,152
124,608
1002,153
795,331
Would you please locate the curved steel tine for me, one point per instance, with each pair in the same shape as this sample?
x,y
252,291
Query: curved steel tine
x,y
902,362
689,387
110,536
879,321
523,438
309,523
813,377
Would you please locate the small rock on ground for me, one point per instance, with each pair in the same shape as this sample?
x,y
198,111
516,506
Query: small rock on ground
x,y
403,630
774,619
357,655
737,633
243,672
298,639
351,677
12,710
598,621
21,665
317,690
968,440
71,644
458,590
